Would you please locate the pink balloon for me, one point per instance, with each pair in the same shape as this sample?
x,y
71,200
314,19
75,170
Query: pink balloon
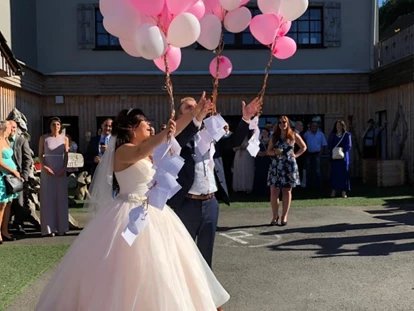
x,y
173,58
153,7
264,28
122,21
209,4
106,6
129,47
285,47
165,18
244,2
178,6
225,67
198,9
219,11
284,28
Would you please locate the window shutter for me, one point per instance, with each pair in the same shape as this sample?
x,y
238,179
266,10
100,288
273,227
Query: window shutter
x,y
332,24
86,26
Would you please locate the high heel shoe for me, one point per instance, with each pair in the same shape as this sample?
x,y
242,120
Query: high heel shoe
x,y
283,223
274,222
8,239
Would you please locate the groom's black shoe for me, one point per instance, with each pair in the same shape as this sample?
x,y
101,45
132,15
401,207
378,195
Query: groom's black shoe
x,y
19,229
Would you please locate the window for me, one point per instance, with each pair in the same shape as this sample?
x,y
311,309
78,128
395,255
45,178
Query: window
x,y
307,30
104,40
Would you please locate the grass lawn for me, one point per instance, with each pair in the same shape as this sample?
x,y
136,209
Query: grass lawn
x,y
23,264
360,195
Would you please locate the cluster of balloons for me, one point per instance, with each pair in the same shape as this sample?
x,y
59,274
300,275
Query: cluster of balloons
x,y
154,29
270,27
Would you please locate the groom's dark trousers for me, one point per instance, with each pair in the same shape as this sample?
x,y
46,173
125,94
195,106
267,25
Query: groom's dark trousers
x,y
199,213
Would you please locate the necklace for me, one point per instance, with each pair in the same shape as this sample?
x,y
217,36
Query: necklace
x,y
339,135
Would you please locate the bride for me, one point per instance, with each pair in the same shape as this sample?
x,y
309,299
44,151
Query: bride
x,y
163,270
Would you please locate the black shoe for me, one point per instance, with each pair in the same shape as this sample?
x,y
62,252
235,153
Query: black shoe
x,y
19,229
6,239
283,223
274,222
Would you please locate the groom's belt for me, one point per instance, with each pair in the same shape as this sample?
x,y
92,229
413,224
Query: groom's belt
x,y
201,196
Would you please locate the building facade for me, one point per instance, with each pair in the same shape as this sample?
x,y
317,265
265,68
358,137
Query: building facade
x,y
76,70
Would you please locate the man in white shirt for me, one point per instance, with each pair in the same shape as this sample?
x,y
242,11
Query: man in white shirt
x,y
202,178
316,142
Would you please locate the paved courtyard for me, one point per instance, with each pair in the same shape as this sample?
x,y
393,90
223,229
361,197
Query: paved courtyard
x,y
326,258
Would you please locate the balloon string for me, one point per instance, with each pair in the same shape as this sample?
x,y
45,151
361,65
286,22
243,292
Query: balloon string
x,y
218,52
169,88
261,94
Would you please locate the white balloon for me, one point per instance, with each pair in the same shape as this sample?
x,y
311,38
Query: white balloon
x,y
237,20
290,9
293,9
210,31
150,41
184,30
230,5
269,6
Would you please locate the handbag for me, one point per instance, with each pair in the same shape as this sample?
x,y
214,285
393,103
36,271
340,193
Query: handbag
x,y
338,152
13,184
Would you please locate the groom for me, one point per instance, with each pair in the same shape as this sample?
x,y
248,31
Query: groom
x,y
196,203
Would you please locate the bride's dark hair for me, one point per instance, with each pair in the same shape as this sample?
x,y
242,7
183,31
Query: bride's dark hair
x,y
126,120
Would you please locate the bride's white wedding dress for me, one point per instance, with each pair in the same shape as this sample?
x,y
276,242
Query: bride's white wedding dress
x,y
162,271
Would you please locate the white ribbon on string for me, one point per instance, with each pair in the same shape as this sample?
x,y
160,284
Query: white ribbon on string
x,y
213,130
254,143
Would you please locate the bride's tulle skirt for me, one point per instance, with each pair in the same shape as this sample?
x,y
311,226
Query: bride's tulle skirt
x,y
162,271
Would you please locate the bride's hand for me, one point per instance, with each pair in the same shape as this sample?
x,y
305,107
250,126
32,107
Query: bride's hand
x,y
171,128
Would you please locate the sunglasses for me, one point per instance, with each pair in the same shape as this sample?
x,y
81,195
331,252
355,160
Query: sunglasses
x,y
282,122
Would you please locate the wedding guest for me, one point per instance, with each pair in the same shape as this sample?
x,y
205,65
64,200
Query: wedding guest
x,y
339,137
262,163
301,161
316,143
7,166
98,145
53,155
22,157
243,168
283,172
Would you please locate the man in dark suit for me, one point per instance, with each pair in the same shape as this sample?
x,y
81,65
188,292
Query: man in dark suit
x,y
196,203
22,157
97,146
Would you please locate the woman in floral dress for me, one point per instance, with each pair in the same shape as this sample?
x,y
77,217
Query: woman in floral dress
x,y
283,171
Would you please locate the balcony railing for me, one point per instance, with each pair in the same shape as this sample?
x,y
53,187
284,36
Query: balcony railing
x,y
394,48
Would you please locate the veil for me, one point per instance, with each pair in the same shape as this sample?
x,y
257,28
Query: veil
x,y
101,191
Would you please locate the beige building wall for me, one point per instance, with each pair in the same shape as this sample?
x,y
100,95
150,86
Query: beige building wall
x,y
58,50
5,21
